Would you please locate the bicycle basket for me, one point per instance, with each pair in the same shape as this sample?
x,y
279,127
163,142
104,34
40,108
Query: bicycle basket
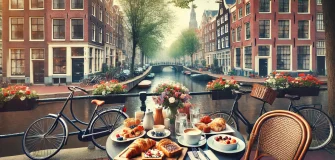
x,y
263,93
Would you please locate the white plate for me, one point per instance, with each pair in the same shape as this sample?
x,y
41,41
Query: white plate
x,y
118,130
228,129
167,134
240,144
182,142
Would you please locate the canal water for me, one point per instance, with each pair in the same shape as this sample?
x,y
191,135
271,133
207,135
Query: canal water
x,y
14,122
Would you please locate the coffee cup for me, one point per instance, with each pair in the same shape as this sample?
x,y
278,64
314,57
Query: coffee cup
x,y
192,136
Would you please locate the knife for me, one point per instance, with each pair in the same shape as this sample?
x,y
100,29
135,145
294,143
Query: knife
x,y
203,153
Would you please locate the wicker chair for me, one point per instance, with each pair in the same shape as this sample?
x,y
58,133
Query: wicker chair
x,y
283,135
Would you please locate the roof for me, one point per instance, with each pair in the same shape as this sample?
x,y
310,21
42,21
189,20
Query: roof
x,y
211,13
230,1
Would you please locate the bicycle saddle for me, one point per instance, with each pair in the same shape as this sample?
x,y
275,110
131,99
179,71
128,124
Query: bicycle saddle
x,y
97,102
292,97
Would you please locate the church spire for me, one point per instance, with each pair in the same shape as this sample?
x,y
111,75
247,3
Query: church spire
x,y
193,19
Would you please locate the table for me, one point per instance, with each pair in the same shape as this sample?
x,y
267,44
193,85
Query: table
x,y
114,148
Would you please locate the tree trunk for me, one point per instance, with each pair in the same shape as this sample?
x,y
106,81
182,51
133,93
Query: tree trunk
x,y
133,59
329,22
142,58
191,60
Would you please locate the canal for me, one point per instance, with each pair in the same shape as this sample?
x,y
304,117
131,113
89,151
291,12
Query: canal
x,y
14,122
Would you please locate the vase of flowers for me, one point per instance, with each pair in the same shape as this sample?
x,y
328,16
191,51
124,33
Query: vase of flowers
x,y
304,85
17,98
109,91
172,96
222,88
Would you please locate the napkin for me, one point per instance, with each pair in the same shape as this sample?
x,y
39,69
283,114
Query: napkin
x,y
209,153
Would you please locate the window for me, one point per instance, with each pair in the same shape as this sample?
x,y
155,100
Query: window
x,y
319,22
283,57
284,29
238,35
37,28
303,29
264,5
222,30
37,4
77,4
77,51
264,29
303,6
16,4
247,9
93,9
219,44
303,57
321,48
37,53
319,2
107,38
17,61
234,16
222,20
222,43
93,32
218,22
227,42
240,13
233,35
100,36
247,30
59,60
218,32
16,28
247,57
226,28
238,57
284,5
226,17
263,50
59,29
111,37
58,4
100,14
77,28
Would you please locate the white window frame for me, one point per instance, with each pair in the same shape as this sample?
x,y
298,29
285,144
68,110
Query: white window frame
x,y
240,17
246,8
71,5
101,35
31,28
101,13
10,63
226,17
269,28
310,57
94,7
245,31
31,53
107,18
36,8
52,5
290,29
71,30
222,30
219,43
235,57
226,28
10,31
289,8
227,41
323,22
318,3
10,6
107,37
309,8
93,33
222,19
291,56
243,53
222,43
52,29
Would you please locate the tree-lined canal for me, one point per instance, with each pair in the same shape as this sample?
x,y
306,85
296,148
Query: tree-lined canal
x,y
14,122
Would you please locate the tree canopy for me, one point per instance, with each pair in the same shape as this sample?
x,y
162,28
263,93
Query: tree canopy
x,y
183,3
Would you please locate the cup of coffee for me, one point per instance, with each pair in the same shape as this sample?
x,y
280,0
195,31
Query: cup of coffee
x,y
192,136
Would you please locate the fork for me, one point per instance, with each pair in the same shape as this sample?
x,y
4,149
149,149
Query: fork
x,y
195,153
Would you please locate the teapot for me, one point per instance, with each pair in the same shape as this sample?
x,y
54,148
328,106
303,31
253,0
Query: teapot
x,y
148,120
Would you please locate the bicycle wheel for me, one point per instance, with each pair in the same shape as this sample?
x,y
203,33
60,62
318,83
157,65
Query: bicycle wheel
x,y
321,125
103,123
231,121
37,145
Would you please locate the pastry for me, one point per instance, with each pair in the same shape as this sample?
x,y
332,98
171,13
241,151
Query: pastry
x,y
219,120
218,124
131,122
200,126
207,129
169,148
138,146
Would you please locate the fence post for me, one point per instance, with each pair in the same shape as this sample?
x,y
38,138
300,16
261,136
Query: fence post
x,y
143,98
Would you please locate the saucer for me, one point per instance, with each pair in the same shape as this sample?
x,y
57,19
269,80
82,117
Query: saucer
x,y
240,144
182,142
166,131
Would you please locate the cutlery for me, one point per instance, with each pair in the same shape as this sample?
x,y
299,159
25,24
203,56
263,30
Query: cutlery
x,y
195,153
203,153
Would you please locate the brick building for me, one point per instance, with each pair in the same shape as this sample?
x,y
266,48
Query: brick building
x,y
320,40
273,35
208,28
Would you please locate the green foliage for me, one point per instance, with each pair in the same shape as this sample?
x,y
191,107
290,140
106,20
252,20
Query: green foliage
x,y
203,62
196,62
216,62
182,3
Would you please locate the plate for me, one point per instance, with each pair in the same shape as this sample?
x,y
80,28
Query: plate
x,y
118,130
240,144
228,129
182,142
167,134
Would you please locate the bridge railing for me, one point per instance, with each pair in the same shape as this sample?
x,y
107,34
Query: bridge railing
x,y
166,63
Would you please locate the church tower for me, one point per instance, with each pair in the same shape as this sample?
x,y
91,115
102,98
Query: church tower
x,y
193,19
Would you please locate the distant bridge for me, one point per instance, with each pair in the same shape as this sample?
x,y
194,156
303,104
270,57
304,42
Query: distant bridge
x,y
158,67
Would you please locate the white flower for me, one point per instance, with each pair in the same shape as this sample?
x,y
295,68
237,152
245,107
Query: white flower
x,y
172,99
23,98
103,92
226,86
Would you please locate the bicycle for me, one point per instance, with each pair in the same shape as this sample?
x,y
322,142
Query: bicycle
x,y
234,115
46,136
92,81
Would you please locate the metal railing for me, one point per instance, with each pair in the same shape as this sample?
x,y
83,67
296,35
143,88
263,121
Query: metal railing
x,y
166,63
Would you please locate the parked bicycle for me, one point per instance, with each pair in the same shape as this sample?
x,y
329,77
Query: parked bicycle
x,y
96,79
46,136
321,124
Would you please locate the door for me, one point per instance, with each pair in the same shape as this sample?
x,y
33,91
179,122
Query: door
x,y
77,69
38,71
263,67
321,65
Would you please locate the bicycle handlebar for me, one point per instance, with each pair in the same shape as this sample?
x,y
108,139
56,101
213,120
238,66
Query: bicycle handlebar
x,y
73,88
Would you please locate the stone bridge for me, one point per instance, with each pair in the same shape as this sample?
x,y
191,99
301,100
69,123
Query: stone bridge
x,y
158,67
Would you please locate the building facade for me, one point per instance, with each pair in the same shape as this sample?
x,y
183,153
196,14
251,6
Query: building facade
x,y
208,25
273,36
320,40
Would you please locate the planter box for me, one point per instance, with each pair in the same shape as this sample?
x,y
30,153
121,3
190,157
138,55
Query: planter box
x,y
222,94
281,93
303,91
112,99
17,105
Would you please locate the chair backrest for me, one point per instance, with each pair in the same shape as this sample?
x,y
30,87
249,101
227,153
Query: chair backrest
x,y
281,134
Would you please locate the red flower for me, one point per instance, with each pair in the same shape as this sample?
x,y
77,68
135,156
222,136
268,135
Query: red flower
x,y
12,92
27,92
301,75
5,94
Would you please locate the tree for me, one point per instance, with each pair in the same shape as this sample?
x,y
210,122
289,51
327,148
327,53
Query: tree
x,y
143,18
149,47
175,50
182,3
190,43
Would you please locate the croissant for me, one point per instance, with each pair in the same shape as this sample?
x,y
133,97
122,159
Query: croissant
x,y
131,122
169,148
138,146
218,124
200,126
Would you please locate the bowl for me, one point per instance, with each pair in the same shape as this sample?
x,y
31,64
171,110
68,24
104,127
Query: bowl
x,y
159,128
222,144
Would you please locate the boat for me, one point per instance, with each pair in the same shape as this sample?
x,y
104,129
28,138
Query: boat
x,y
187,73
201,77
144,84
151,76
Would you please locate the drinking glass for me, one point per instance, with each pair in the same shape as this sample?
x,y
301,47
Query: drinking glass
x,y
139,115
180,123
194,114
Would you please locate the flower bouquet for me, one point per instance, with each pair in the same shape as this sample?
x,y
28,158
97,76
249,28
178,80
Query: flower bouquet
x,y
304,85
278,82
173,96
17,98
221,88
108,88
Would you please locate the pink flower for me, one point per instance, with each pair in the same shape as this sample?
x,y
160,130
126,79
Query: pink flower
x,y
182,96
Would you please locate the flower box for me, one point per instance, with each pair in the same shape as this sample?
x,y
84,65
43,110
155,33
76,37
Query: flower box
x,y
281,93
16,104
222,94
112,99
304,91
